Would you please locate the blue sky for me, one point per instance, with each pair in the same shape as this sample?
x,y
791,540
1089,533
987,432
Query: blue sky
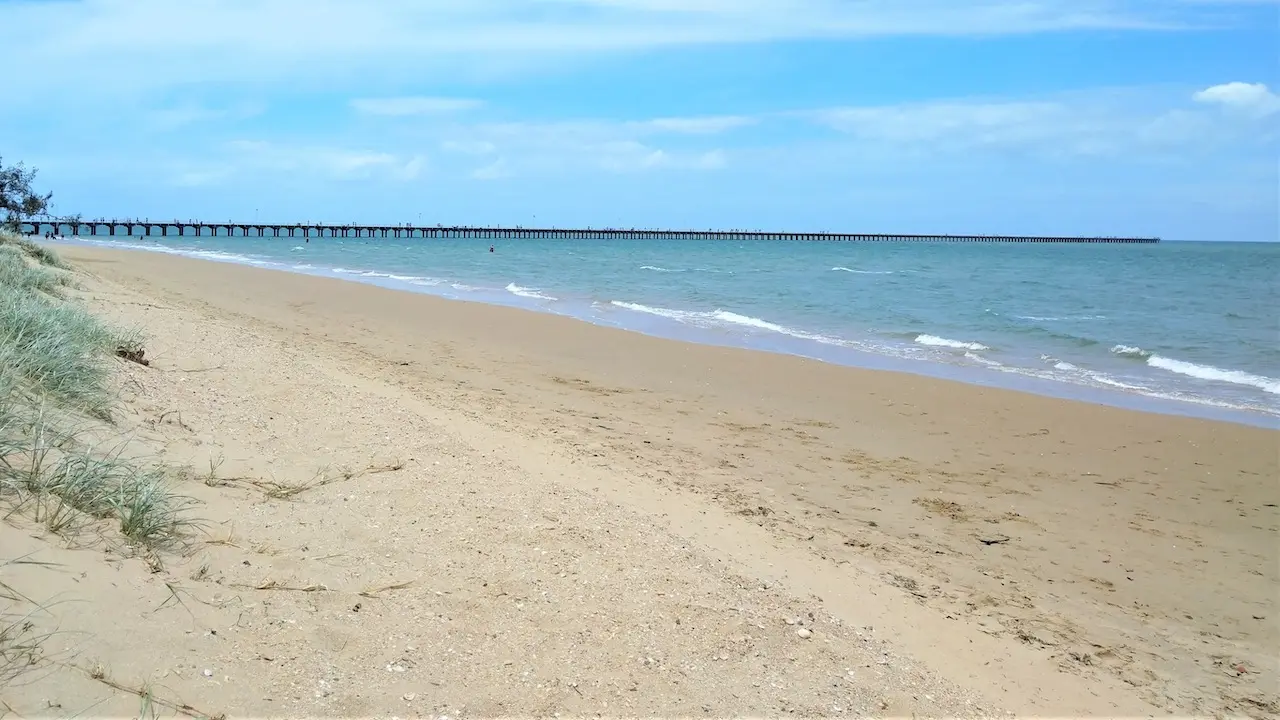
x,y
1146,117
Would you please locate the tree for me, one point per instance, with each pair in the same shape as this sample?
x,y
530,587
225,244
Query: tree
x,y
17,200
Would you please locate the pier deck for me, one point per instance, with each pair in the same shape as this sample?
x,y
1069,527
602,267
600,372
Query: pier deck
x,y
152,228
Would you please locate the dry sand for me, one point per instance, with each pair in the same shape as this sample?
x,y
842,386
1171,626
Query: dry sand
x,y
592,521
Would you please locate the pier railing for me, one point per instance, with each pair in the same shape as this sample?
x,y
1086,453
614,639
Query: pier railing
x,y
151,228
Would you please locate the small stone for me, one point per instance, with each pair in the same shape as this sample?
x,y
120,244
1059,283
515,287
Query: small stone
x,y
791,621
804,633
208,672
409,697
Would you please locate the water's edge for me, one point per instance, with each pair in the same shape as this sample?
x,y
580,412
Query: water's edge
x,y
520,297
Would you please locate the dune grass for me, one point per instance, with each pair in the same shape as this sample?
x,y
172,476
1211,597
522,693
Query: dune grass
x,y
21,643
34,250
56,362
19,269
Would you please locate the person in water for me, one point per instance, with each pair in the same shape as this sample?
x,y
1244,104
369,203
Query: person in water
x,y
490,248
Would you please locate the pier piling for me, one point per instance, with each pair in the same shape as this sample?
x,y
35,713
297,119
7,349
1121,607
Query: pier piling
x,y
148,228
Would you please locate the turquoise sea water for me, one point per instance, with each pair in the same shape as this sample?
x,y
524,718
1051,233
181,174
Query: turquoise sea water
x,y
1188,328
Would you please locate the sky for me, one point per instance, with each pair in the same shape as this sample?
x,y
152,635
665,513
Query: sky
x,y
1083,117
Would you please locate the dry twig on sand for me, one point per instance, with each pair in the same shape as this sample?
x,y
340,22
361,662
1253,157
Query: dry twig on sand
x,y
373,592
145,694
277,585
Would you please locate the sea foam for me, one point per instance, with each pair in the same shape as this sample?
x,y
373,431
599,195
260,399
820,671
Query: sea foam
x,y
935,341
524,292
723,318
861,272
1200,372
1208,372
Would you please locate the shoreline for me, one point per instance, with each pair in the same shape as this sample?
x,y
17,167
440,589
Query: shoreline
x,y
998,377
1057,557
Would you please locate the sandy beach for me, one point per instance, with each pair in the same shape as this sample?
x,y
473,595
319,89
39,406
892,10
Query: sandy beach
x,y
509,513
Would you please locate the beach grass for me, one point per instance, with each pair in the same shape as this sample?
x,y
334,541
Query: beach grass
x,y
21,643
41,254
56,363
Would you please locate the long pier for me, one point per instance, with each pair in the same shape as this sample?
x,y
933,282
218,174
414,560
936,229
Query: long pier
x,y
151,228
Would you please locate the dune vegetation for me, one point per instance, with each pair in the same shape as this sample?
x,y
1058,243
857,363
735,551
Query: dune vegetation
x,y
61,461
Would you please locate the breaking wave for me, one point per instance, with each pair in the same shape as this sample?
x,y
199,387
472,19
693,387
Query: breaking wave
x,y
524,292
1198,371
935,341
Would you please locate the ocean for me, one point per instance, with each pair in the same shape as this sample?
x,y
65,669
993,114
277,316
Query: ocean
x,y
1182,328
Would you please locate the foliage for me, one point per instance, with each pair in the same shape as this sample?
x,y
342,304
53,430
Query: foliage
x,y
56,361
18,200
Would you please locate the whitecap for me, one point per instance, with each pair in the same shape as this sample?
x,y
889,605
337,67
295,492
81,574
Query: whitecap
x,y
1130,351
1064,318
981,360
523,292
722,318
861,272
1208,372
935,341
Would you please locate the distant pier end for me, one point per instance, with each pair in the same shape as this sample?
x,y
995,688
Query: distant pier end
x,y
150,228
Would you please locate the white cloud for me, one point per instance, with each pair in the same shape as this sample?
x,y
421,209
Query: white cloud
x,y
1253,98
701,125
630,156
1112,124
929,122
187,114
1079,124
333,163
626,146
493,171
114,45
404,106
201,178
411,169
469,147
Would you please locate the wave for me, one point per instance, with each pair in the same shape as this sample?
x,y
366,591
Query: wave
x,y
1208,372
1058,364
862,272
1077,373
1200,372
981,360
1130,351
935,341
655,268
185,252
721,318
1108,380
412,279
524,292
1064,318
